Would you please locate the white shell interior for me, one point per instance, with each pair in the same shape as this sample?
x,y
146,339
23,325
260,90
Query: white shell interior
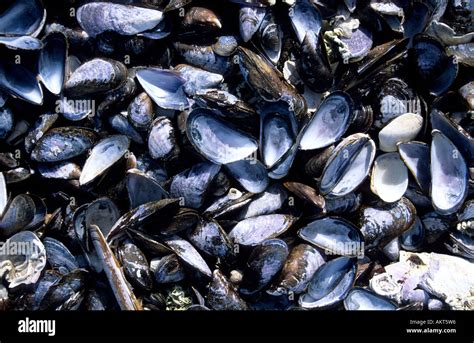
x,y
389,177
328,124
218,142
357,172
103,156
402,129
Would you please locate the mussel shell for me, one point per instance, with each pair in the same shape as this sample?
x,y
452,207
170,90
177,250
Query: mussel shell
x,y
113,100
381,223
142,189
225,46
41,126
141,112
417,18
42,220
188,254
358,45
23,43
449,175
165,87
167,269
313,65
96,300
61,170
19,82
123,126
255,3
142,215
201,19
25,266
250,174
185,219
135,266
349,165
22,18
255,230
162,143
81,234
59,257
467,212
437,70
447,77
266,81
160,31
414,238
52,62
95,76
218,141
103,156
18,174
419,199
389,179
8,159
362,299
307,194
392,249
63,143
121,289
455,133
192,185
210,238
460,245
203,57
265,261
102,212
222,296
299,268
416,156
226,105
330,284
66,293
270,37
277,132
250,19
3,98
401,129
18,215
269,201
149,244
18,132
229,203
49,278
98,17
446,34
283,166
198,79
75,109
305,17
334,235
344,205
175,4
329,123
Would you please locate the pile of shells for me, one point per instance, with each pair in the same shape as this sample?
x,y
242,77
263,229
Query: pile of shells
x,y
236,154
